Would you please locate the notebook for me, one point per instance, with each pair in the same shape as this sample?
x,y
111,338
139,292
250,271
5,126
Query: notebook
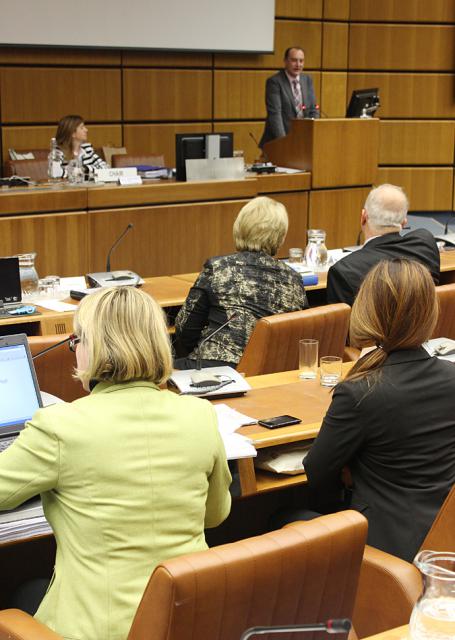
x,y
10,283
20,396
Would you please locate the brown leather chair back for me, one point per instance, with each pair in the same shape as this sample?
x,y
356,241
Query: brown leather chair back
x,y
128,160
441,536
34,169
55,369
446,322
304,573
274,342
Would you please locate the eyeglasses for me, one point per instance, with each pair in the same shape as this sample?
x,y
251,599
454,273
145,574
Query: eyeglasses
x,y
73,341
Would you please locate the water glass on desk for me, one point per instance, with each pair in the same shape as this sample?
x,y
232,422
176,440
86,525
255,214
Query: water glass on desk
x,y
308,358
330,367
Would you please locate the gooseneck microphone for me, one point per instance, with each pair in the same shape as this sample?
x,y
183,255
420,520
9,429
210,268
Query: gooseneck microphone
x,y
340,625
199,358
51,348
108,261
253,137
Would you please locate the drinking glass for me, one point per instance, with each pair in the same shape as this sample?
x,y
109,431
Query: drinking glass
x,y
296,254
330,370
308,358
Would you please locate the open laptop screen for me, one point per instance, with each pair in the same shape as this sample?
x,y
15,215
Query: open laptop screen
x,y
19,395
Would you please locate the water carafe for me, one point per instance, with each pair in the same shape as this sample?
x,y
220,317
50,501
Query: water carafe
x,y
433,616
316,251
28,273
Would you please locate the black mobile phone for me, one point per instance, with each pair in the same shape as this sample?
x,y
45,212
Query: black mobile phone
x,y
279,421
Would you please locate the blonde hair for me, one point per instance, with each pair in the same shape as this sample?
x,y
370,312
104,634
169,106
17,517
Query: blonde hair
x,y
64,136
396,308
125,334
387,206
261,225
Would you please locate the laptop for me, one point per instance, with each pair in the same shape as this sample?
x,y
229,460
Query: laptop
x,y
10,283
20,396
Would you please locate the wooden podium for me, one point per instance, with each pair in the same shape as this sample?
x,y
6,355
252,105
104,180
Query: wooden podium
x,y
339,152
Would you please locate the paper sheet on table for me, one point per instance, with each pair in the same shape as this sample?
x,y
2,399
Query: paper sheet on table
x,y
57,305
236,445
229,420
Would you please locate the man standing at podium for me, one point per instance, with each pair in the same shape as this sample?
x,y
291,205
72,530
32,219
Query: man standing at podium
x,y
288,94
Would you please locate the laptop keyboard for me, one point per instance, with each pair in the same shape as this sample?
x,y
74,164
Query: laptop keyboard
x,y
5,443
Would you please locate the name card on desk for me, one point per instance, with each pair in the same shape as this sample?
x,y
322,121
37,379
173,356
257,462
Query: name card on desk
x,y
130,180
113,175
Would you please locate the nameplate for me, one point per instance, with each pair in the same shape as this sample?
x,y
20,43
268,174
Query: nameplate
x,y
130,180
113,175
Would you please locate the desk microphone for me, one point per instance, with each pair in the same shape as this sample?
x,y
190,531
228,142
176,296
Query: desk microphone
x,y
262,167
110,278
53,346
119,239
340,625
199,378
320,111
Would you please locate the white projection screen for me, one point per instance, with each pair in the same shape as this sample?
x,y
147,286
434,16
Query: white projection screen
x,y
176,25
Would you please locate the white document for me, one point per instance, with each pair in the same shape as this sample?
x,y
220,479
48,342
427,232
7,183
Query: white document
x,y
229,420
235,444
237,385
57,305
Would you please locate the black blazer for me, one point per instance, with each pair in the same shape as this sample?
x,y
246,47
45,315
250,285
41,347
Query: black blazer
x,y
345,276
398,438
280,105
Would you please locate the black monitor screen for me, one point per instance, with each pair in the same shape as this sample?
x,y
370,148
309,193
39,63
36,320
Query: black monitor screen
x,y
361,99
191,146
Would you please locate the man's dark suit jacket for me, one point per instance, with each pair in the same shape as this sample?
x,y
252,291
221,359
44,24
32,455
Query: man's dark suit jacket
x,y
398,438
345,277
281,107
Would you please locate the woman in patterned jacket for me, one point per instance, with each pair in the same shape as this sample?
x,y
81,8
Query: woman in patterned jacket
x,y
251,282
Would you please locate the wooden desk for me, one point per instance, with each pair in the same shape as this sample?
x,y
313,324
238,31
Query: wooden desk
x,y
400,633
167,291
322,284
273,395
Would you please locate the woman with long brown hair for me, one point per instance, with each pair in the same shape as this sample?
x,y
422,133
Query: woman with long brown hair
x,y
72,142
392,420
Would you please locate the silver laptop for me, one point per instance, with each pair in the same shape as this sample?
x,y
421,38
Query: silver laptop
x,y
20,396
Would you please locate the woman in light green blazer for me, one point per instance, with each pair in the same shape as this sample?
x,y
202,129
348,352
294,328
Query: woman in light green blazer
x,y
129,475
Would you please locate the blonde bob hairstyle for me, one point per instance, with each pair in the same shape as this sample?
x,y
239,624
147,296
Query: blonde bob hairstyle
x,y
396,308
125,335
261,225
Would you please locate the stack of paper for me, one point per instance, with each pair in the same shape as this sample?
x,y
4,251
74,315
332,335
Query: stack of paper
x,y
236,445
24,522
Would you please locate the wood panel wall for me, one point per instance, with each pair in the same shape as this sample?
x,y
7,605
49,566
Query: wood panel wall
x,y
141,99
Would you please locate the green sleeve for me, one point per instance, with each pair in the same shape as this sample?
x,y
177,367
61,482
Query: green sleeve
x,y
31,464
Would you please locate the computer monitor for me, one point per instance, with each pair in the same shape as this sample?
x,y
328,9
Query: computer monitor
x,y
191,146
363,99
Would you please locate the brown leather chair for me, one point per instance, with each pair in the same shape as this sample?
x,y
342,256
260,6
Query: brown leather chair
x,y
274,343
34,169
54,370
128,160
389,587
441,536
446,322
304,573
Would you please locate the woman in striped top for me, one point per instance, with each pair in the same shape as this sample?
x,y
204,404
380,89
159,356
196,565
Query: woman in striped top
x,y
72,142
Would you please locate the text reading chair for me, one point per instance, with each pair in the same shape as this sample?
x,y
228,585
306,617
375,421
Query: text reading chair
x,y
304,573
389,587
274,343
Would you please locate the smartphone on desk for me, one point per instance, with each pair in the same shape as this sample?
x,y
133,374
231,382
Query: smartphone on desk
x,y
279,421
